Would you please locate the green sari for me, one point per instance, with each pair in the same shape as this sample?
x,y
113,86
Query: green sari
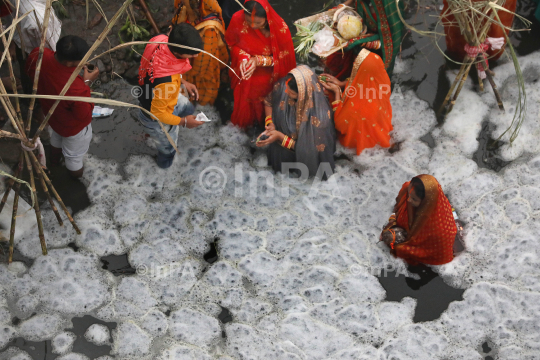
x,y
385,21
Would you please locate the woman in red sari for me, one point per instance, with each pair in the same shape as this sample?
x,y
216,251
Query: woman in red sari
x,y
424,212
262,52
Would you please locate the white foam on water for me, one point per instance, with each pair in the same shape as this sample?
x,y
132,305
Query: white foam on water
x,y
193,327
73,356
130,341
297,259
63,342
40,327
97,334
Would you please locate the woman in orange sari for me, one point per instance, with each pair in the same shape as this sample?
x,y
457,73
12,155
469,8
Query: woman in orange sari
x,y
262,52
425,214
363,113
205,16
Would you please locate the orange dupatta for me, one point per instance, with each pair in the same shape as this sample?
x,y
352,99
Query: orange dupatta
x,y
206,72
364,118
431,227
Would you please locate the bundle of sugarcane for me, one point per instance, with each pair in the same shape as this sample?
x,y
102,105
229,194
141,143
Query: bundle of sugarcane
x,y
28,160
474,19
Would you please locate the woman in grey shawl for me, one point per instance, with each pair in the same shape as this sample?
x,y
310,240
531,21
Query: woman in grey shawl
x,y
299,125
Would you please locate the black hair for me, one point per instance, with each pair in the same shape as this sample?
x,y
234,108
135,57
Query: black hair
x,y
291,82
71,48
255,8
419,188
187,35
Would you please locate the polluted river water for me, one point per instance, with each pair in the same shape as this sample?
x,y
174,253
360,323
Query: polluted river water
x,y
263,267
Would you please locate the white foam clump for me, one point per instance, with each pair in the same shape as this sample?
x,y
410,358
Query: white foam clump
x,y
41,327
22,355
97,334
63,342
130,341
193,327
73,356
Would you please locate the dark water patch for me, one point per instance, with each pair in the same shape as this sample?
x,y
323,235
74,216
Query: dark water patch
x,y
488,350
486,156
17,256
73,246
118,265
433,295
43,350
212,255
225,315
429,140
72,192
81,345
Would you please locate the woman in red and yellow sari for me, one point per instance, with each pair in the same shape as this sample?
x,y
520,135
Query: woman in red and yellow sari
x,y
363,114
424,212
262,52
205,16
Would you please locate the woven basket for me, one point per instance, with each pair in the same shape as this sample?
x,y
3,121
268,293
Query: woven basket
x,y
308,20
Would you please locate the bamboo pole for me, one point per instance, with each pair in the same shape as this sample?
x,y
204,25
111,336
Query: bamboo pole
x,y
83,61
53,190
13,223
48,7
36,205
11,182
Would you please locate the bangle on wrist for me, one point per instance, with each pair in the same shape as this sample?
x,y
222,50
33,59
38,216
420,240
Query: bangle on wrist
x,y
88,82
185,122
268,120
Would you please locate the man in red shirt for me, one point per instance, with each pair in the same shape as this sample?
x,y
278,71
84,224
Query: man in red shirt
x,y
70,126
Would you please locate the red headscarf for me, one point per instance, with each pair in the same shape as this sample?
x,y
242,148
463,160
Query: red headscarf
x,y
430,227
158,61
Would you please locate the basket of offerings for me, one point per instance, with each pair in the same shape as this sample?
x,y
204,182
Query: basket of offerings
x,y
327,32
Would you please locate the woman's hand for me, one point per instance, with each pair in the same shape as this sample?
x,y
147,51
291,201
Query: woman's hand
x,y
191,90
273,136
333,88
247,68
333,80
270,127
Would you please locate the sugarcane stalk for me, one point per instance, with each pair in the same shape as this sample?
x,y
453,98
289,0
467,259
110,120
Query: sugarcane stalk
x,y
461,84
10,111
11,74
7,134
480,80
48,7
53,190
10,183
451,91
13,223
38,170
36,205
495,91
83,61
149,16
